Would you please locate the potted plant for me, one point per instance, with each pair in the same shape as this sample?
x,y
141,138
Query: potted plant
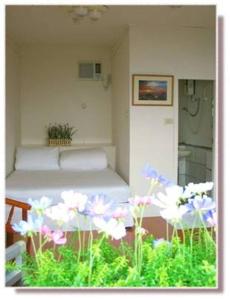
x,y
60,134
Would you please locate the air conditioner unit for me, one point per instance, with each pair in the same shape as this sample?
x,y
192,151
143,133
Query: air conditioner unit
x,y
89,71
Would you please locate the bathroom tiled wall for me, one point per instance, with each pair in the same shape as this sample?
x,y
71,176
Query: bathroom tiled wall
x,y
182,172
197,167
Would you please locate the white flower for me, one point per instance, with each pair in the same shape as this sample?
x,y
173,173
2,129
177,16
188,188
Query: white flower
x,y
199,188
39,206
187,194
74,200
174,213
112,227
171,198
171,211
60,213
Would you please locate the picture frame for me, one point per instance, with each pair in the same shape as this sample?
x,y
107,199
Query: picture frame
x,y
152,90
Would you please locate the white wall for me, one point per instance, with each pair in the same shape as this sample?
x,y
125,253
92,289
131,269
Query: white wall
x,y
51,92
183,53
12,104
120,105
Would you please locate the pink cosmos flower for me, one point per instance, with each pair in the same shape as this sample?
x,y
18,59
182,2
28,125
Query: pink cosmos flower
x,y
141,230
141,201
56,236
45,230
120,213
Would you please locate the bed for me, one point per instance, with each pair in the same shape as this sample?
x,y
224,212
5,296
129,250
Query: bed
x,y
86,172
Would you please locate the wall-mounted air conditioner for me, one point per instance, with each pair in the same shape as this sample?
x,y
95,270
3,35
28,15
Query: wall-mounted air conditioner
x,y
89,71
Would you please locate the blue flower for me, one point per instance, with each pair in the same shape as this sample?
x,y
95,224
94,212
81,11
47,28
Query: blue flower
x,y
165,181
210,217
29,227
98,206
200,204
150,173
39,206
159,242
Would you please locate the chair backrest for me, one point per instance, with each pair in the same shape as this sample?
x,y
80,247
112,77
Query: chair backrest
x,y
14,252
9,229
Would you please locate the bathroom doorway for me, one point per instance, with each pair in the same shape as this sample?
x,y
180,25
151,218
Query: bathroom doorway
x,y
196,131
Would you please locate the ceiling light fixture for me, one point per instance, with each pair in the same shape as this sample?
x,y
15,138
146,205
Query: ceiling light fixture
x,y
80,12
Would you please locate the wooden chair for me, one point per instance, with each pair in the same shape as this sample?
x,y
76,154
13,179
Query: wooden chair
x,y
14,252
9,229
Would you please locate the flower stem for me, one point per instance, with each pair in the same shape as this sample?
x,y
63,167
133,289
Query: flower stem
x,y
34,250
79,240
206,231
192,233
40,241
167,231
152,184
173,233
135,241
91,254
122,247
83,242
183,237
140,239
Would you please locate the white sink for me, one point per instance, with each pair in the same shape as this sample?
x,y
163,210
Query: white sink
x,y
183,153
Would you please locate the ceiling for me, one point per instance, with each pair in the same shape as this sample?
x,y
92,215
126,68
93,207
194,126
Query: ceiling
x,y
52,24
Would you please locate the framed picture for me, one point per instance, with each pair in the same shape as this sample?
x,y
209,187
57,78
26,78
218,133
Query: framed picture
x,y
153,90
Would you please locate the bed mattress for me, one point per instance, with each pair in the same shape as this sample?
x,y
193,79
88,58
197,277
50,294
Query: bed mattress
x,y
22,185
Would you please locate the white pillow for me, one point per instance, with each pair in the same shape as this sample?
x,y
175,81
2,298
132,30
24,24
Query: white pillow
x,y
83,160
37,158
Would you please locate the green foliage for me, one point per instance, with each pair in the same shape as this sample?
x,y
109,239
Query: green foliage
x,y
173,264
60,131
11,266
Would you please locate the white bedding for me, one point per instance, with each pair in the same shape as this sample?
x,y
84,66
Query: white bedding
x,y
22,185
